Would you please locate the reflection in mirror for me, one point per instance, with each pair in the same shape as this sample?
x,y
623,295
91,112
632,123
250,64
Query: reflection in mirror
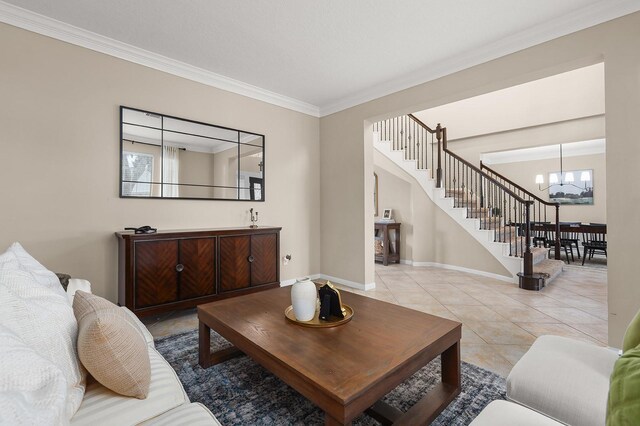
x,y
166,157
141,161
251,172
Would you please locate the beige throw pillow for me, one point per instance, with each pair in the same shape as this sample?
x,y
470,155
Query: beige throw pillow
x,y
111,346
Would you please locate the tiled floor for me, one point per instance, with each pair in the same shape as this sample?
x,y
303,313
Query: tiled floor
x,y
500,321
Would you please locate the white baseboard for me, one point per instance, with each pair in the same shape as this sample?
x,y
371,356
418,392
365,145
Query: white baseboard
x,y
286,283
458,268
341,281
352,284
371,286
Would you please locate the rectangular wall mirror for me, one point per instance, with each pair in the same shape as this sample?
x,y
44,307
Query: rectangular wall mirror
x,y
169,157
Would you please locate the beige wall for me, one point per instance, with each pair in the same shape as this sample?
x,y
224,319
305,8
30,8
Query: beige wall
x,y
195,168
566,96
59,130
524,173
395,193
225,170
429,234
346,150
581,129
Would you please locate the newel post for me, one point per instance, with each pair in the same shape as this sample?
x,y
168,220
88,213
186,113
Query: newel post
x,y
528,256
557,241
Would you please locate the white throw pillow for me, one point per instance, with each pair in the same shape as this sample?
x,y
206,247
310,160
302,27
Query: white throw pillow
x,y
33,391
43,318
41,274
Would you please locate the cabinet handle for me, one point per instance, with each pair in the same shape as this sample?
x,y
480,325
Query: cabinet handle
x,y
251,259
179,267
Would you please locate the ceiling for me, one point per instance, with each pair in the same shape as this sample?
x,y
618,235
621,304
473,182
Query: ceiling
x,y
316,57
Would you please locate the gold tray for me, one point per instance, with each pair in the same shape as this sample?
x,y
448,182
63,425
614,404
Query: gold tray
x,y
317,322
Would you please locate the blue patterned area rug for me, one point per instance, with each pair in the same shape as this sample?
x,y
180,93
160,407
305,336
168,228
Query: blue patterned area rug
x,y
241,392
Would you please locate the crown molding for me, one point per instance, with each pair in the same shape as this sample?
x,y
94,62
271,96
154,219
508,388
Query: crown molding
x,y
595,14
602,11
31,21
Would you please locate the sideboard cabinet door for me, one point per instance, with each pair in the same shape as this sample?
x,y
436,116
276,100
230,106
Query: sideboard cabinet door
x,y
155,272
235,268
264,268
198,260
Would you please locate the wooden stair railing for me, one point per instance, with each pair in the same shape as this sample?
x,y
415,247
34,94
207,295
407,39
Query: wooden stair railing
x,y
408,135
540,206
494,203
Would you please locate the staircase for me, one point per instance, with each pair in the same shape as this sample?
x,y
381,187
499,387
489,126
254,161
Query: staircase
x,y
492,209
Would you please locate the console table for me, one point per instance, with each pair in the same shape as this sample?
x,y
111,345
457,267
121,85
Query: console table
x,y
391,251
181,269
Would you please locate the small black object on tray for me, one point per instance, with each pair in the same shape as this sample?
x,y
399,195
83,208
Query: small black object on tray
x,y
330,302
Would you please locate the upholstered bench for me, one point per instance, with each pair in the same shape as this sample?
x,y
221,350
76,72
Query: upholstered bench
x,y
505,413
572,382
566,379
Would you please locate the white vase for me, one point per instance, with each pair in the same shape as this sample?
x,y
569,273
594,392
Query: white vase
x,y
303,299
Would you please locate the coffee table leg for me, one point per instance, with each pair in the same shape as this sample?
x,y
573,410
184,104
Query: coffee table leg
x,y
206,358
433,403
204,345
450,360
330,421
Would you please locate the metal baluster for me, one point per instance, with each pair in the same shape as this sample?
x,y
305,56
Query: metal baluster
x,y
413,140
422,147
463,185
507,217
501,217
432,157
407,137
457,185
473,202
493,204
395,132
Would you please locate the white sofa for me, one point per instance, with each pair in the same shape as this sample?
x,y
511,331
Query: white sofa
x,y
558,381
167,403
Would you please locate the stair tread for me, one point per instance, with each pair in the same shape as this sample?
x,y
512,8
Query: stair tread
x,y
549,266
537,250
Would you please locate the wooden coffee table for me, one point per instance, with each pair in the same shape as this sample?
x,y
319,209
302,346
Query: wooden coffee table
x,y
344,370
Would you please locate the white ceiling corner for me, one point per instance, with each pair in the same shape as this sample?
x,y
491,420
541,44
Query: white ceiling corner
x,y
308,56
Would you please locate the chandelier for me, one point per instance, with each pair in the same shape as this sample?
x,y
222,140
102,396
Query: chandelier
x,y
564,179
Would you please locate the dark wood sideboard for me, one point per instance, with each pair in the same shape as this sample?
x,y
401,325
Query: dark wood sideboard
x,y
180,269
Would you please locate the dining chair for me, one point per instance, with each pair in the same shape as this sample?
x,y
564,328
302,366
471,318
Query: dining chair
x,y
551,244
594,239
570,238
539,233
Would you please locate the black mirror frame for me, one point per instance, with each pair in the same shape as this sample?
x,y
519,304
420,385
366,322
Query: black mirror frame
x,y
238,188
